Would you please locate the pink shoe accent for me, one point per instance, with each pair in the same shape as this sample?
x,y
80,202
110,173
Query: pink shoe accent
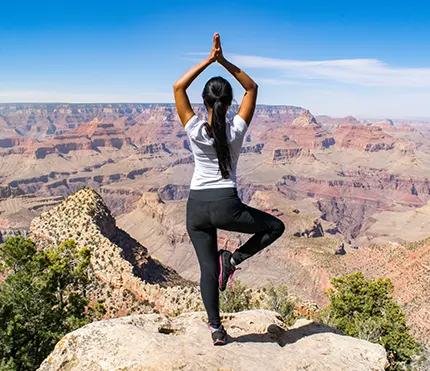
x,y
220,341
231,276
220,268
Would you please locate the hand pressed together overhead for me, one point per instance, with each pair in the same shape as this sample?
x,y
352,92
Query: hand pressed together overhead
x,y
216,53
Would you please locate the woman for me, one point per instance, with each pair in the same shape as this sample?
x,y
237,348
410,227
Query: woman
x,y
213,202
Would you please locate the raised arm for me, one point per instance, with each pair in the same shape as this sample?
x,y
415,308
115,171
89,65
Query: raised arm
x,y
247,107
183,105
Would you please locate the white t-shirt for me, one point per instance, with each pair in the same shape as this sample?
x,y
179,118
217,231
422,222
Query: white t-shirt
x,y
206,171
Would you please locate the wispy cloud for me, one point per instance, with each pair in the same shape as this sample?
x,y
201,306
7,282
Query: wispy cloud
x,y
364,72
281,82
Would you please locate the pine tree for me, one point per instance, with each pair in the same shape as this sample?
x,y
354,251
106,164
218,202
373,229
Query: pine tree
x,y
365,309
41,299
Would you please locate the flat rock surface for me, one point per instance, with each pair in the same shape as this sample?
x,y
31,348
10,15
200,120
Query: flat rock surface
x,y
257,340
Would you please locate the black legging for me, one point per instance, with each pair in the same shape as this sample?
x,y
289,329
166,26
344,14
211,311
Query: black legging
x,y
221,208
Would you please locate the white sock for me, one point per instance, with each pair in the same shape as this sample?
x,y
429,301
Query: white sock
x,y
213,329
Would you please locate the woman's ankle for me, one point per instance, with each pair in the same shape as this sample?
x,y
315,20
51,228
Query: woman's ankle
x,y
215,328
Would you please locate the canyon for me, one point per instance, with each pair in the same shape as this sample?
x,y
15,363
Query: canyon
x,y
354,194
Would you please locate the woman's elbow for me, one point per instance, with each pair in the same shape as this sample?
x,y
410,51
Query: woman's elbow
x,y
177,86
253,87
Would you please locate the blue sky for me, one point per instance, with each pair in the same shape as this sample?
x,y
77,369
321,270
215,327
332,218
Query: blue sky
x,y
365,58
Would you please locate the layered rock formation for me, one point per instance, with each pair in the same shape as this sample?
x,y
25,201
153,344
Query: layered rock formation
x,y
353,186
307,133
103,134
297,142
120,264
257,341
389,126
332,123
364,138
129,142
89,136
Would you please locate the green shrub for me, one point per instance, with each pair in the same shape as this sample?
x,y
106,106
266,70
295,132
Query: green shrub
x,y
236,298
365,309
278,300
99,309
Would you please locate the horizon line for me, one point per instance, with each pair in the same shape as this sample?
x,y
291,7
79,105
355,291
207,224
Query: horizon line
x,y
365,116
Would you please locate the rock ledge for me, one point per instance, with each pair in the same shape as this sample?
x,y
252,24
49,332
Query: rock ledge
x,y
257,341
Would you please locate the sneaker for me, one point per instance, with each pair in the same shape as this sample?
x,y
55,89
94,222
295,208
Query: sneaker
x,y
219,335
226,270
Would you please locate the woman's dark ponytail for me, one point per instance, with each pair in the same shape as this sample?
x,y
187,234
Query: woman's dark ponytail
x,y
217,95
